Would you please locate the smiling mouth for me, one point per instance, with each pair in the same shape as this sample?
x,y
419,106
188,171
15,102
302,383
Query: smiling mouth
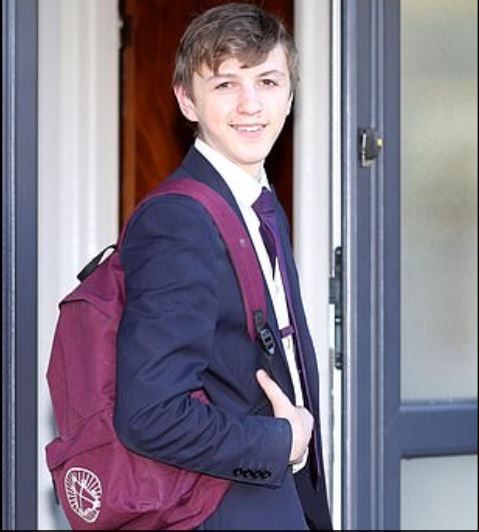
x,y
243,128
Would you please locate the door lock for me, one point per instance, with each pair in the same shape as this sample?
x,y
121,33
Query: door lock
x,y
370,144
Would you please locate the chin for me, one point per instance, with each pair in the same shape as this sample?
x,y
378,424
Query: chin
x,y
253,157
250,161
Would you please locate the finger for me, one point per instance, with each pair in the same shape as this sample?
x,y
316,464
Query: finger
x,y
270,388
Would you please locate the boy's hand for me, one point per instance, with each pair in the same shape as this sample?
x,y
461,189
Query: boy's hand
x,y
300,419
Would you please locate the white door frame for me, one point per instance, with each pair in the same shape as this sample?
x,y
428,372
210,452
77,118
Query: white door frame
x,y
78,174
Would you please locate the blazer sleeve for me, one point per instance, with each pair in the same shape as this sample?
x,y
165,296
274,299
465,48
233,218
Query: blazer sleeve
x,y
170,256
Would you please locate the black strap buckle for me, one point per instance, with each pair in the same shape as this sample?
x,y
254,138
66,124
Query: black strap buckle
x,y
264,333
267,340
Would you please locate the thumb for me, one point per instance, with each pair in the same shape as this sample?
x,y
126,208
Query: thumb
x,y
274,393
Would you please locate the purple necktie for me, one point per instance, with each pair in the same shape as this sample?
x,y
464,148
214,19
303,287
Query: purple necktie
x,y
264,207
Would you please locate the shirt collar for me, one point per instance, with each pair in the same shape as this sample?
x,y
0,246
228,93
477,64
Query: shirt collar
x,y
245,188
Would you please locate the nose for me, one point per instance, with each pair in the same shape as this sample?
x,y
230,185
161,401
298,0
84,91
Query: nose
x,y
249,101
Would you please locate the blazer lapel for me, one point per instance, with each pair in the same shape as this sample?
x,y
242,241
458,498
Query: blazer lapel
x,y
198,167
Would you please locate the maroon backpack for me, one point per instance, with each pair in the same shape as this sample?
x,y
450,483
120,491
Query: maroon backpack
x,y
100,484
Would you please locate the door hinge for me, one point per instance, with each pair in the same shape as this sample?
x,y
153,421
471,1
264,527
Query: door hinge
x,y
336,299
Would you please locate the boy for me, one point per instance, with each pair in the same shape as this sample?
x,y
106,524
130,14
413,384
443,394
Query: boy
x,y
183,326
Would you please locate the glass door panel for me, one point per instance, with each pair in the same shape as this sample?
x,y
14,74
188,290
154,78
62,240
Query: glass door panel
x,y
439,493
438,199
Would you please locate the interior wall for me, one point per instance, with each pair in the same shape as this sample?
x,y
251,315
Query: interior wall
x,y
78,177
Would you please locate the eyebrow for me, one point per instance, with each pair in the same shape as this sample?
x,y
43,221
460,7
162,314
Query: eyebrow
x,y
273,72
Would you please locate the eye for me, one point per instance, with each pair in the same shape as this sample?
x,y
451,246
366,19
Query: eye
x,y
224,85
267,82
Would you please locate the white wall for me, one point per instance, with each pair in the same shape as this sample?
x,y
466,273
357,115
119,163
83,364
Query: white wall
x,y
78,174
316,224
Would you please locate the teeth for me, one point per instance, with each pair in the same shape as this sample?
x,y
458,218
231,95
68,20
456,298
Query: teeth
x,y
248,129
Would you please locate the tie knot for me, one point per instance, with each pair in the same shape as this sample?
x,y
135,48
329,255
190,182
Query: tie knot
x,y
264,205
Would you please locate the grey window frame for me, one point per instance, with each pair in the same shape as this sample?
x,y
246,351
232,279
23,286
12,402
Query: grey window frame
x,y
19,264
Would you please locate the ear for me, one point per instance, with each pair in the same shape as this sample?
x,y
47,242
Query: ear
x,y
186,103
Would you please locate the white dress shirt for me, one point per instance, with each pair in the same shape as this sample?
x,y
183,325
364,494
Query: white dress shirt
x,y
246,190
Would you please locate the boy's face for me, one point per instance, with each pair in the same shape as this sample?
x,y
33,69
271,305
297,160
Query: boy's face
x,y
240,111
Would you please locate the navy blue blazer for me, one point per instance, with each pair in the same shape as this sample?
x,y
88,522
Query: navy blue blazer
x,y
183,328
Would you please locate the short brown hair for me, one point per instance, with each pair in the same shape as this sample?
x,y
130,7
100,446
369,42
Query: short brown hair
x,y
242,31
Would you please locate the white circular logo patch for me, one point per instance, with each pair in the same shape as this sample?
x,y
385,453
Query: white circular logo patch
x,y
83,491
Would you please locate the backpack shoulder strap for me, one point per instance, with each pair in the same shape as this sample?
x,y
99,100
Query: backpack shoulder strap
x,y
238,243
